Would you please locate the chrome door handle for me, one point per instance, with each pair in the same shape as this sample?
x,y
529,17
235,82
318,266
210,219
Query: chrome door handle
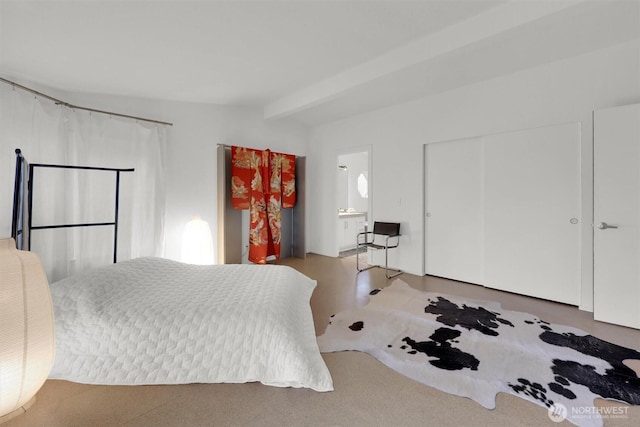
x,y
604,226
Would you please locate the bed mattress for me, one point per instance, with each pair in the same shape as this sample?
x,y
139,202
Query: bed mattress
x,y
157,321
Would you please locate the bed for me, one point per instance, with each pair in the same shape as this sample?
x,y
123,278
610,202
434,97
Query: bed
x,y
157,321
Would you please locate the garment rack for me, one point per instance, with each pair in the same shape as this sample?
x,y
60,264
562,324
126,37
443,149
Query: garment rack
x,y
17,228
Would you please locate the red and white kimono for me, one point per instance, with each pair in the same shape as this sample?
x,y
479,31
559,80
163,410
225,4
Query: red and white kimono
x,y
263,182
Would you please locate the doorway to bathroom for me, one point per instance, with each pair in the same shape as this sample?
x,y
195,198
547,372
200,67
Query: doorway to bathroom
x,y
353,189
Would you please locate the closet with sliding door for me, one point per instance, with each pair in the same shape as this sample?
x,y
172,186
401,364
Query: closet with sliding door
x,y
503,211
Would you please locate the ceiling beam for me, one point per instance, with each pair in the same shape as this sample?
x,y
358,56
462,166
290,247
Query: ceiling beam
x,y
493,22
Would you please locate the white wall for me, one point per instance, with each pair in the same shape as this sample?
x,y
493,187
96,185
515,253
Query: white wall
x,y
561,92
191,149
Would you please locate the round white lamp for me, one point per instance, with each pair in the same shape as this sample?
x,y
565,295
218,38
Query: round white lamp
x,y
197,244
27,343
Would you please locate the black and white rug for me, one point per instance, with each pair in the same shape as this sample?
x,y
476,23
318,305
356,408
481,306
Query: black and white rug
x,y
476,349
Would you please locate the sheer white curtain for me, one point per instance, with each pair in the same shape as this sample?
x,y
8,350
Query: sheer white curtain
x,y
48,133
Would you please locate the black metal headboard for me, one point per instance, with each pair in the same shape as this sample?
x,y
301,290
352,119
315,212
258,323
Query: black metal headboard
x,y
21,225
19,190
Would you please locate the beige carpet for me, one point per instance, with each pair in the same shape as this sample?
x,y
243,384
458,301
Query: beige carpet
x,y
366,392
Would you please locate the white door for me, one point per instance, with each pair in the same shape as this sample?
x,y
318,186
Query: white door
x,y
616,215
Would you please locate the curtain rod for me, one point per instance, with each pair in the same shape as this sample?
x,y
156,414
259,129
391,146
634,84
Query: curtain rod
x,y
77,107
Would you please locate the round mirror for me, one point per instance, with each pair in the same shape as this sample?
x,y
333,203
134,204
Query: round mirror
x,y
363,186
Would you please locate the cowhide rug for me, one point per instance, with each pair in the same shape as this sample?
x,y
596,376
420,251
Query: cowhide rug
x,y
476,349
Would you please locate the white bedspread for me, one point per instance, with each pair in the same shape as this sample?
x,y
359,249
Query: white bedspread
x,y
156,321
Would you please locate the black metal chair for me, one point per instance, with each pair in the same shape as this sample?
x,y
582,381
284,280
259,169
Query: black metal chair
x,y
385,236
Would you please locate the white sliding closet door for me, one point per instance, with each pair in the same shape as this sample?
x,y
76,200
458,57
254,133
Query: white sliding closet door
x,y
454,210
503,211
531,212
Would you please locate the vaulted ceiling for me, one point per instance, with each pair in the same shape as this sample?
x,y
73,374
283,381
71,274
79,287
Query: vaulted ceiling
x,y
311,60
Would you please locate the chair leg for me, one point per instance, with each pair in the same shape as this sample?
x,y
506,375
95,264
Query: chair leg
x,y
358,261
397,273
386,266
